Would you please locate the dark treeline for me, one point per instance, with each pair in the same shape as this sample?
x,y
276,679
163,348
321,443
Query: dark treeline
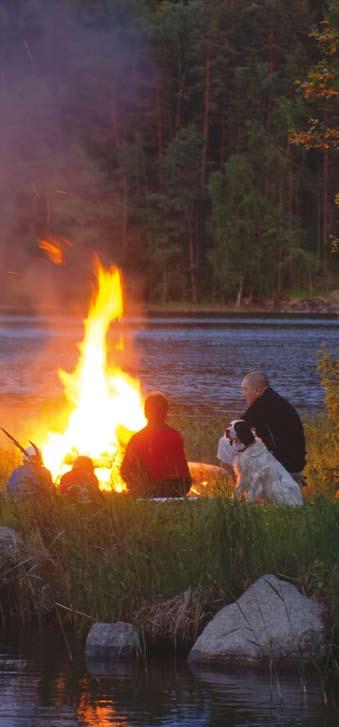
x,y
157,133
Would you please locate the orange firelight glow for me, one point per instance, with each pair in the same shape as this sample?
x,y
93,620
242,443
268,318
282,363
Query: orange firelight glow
x,y
53,250
107,403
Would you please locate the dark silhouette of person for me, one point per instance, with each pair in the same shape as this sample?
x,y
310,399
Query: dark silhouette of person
x,y
81,482
155,464
31,478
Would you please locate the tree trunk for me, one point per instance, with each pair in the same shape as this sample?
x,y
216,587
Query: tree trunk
x,y
160,130
182,77
164,286
325,212
222,140
271,66
240,291
290,186
191,257
206,115
279,272
280,248
319,230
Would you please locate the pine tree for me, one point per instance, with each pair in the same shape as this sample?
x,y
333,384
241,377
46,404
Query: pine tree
x,y
321,90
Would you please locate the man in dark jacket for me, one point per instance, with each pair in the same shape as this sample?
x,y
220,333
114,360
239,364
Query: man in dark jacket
x,y
275,421
154,464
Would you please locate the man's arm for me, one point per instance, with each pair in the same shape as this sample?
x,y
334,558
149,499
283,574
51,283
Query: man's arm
x,y
250,416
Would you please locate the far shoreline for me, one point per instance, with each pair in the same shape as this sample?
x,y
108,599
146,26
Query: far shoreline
x,y
243,312
295,308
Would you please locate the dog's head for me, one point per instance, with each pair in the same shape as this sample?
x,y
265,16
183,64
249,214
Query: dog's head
x,y
239,433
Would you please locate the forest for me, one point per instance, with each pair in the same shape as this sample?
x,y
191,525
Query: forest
x,y
191,142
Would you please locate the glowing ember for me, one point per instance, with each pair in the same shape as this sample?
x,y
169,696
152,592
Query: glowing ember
x,y
107,402
53,250
54,247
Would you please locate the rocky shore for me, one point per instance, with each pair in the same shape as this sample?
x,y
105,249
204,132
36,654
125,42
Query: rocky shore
x,y
315,305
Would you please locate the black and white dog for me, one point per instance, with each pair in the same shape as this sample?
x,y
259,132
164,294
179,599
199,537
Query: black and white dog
x,y
260,477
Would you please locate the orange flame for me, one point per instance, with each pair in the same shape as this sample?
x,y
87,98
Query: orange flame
x,y
107,402
54,251
54,248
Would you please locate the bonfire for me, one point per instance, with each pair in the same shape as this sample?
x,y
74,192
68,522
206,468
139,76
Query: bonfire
x,y
107,404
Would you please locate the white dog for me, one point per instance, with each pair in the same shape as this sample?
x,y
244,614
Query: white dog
x,y
260,477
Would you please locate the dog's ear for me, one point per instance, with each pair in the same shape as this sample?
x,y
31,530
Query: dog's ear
x,y
244,433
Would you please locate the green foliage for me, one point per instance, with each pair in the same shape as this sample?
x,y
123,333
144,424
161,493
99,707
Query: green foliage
x,y
320,89
322,458
322,433
328,367
234,222
252,241
170,217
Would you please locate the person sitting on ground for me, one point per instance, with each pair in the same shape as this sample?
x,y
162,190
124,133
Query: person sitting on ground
x,y
260,477
154,464
31,478
276,422
81,482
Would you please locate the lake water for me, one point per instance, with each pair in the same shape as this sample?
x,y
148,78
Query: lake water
x,y
197,361
41,687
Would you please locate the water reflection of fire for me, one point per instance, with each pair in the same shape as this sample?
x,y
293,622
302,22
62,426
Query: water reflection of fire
x,y
107,403
100,715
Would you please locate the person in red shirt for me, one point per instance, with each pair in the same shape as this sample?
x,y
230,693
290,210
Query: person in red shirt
x,y
154,464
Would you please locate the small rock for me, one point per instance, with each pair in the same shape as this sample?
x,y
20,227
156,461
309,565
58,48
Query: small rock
x,y
112,641
271,620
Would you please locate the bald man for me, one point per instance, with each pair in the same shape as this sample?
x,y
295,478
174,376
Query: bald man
x,y
276,422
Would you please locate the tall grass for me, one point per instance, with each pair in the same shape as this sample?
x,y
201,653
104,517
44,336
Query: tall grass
x,y
120,560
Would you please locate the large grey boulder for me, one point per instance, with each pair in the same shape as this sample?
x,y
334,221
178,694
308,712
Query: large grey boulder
x,y
12,548
112,641
270,620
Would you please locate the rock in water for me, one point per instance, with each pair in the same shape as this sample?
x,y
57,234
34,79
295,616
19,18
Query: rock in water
x,y
112,641
271,620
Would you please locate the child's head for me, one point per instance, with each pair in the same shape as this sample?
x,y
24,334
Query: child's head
x,y
156,408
